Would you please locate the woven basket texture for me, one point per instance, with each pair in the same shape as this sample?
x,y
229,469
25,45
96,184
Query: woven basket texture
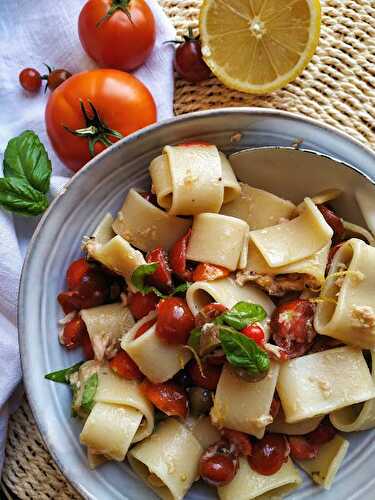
x,y
337,87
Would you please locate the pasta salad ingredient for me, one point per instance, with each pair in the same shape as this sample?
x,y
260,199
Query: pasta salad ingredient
x,y
174,321
117,34
87,346
76,271
208,313
256,333
143,329
142,304
124,366
302,449
177,258
161,278
239,440
333,221
204,375
73,333
209,272
269,454
292,327
219,464
323,433
168,397
200,400
63,376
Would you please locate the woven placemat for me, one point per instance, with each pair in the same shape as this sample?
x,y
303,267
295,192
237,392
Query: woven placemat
x,y
338,87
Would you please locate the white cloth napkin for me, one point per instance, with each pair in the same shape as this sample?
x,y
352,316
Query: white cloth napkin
x,y
33,33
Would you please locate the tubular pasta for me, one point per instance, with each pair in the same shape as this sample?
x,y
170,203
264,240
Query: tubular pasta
x,y
352,318
106,325
167,461
323,382
259,208
324,467
294,240
203,430
156,359
94,460
217,239
244,406
359,417
146,226
298,429
248,484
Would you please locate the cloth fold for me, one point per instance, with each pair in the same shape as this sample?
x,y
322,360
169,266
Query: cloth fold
x,y
33,33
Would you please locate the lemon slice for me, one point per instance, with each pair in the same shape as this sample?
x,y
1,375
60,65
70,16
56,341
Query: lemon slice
x,y
258,46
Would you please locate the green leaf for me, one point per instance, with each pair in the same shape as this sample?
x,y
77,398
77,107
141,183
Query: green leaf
x,y
89,391
243,352
243,314
62,376
16,195
26,158
194,339
140,274
181,288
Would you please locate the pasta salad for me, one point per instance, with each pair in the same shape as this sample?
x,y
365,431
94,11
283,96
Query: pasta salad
x,y
228,334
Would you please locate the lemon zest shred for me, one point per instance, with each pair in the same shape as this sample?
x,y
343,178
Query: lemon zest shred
x,y
197,359
322,299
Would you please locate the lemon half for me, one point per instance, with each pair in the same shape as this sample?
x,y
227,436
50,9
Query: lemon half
x,y
257,46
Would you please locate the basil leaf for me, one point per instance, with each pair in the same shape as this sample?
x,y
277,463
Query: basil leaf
x,y
243,314
194,339
181,288
89,392
243,352
16,195
141,273
26,158
62,376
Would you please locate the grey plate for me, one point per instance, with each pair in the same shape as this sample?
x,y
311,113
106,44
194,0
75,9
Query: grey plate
x,y
101,187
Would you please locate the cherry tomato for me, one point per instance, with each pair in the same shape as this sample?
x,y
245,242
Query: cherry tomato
x,y
117,33
219,464
93,289
239,440
73,333
269,454
332,220
30,79
121,105
209,272
323,433
69,301
143,329
168,397
175,321
56,77
302,449
292,327
162,277
210,377
123,365
208,313
87,346
76,272
188,61
275,406
177,258
256,333
140,305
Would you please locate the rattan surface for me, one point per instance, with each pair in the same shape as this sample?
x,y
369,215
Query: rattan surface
x,y
338,88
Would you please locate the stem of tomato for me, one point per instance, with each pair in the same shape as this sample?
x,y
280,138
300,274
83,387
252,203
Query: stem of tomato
x,y
116,5
96,130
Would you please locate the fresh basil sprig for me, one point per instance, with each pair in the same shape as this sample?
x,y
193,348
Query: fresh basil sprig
x,y
62,376
27,172
242,352
140,274
89,391
243,314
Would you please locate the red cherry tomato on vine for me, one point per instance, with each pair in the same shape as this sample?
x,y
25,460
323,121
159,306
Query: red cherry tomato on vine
x,y
120,105
162,277
123,365
208,378
140,305
76,271
117,33
219,464
177,258
256,333
175,321
30,79
292,327
168,397
189,62
73,333
269,454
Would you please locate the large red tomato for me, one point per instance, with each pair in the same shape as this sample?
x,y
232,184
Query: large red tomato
x,y
122,103
117,33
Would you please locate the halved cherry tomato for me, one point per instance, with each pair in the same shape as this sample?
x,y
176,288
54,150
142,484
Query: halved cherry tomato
x,y
122,103
177,258
208,313
269,454
175,321
239,440
143,329
140,305
162,277
275,406
117,33
292,327
210,377
219,464
209,272
76,271
332,220
87,346
69,301
123,365
256,333
302,449
322,434
73,333
168,397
